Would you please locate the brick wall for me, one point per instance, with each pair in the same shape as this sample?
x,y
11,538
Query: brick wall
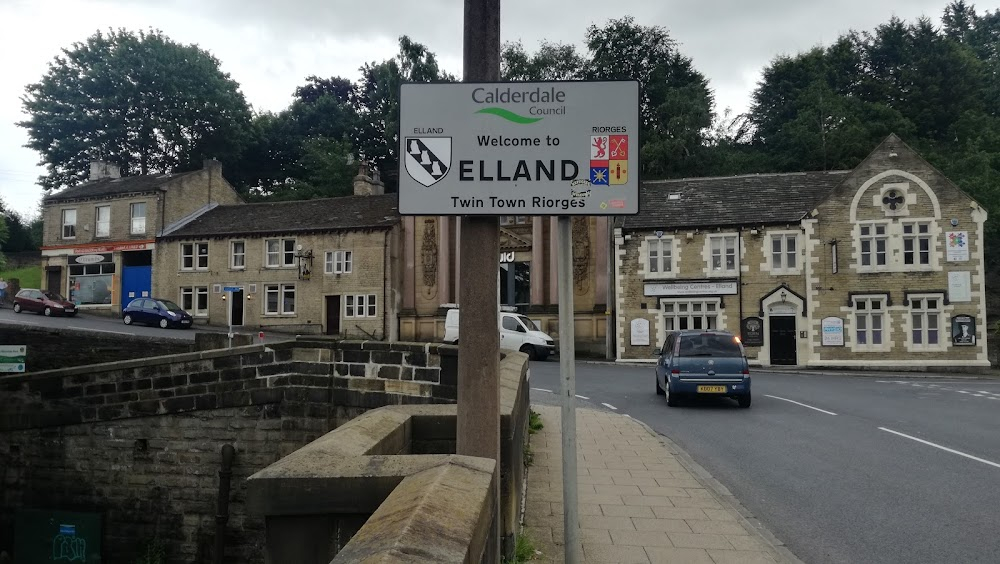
x,y
139,441
50,349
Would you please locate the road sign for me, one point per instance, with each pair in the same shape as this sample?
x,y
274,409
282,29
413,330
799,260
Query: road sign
x,y
12,358
524,148
232,289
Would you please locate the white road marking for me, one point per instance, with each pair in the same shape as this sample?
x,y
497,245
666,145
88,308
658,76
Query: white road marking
x,y
582,397
977,395
982,392
543,390
993,398
802,404
609,406
946,449
917,385
962,391
629,416
98,330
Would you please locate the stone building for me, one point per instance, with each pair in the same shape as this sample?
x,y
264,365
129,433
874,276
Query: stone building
x,y
327,266
99,238
526,269
879,266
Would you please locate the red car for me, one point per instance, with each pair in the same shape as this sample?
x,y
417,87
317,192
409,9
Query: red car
x,y
44,302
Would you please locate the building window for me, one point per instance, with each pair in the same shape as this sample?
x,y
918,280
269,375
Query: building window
x,y
279,253
869,322
512,219
194,256
194,300
239,255
103,221
784,252
925,322
69,224
661,258
515,283
681,315
279,299
339,262
139,218
91,284
723,257
360,306
917,243
874,242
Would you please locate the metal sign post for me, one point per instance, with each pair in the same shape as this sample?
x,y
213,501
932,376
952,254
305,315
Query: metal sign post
x,y
567,366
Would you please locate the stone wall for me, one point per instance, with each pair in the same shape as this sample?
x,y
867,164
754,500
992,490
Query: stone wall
x,y
139,441
50,349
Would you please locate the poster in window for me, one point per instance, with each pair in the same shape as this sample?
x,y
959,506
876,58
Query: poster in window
x,y
752,332
833,331
963,330
957,246
640,332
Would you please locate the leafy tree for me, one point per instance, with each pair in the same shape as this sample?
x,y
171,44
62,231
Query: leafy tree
x,y
552,61
328,169
139,100
675,101
377,103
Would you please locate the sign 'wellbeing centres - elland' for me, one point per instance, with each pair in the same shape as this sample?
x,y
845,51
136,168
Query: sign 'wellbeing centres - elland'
x,y
517,148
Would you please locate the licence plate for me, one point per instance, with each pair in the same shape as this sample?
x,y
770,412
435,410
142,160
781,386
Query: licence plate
x,y
185,321
711,389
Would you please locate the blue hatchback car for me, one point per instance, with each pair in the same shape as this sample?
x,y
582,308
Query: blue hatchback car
x,y
707,363
154,311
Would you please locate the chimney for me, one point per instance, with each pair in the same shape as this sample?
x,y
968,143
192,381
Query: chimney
x,y
212,164
103,169
368,182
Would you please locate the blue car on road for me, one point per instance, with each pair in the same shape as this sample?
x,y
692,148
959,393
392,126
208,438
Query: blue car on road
x,y
702,363
155,311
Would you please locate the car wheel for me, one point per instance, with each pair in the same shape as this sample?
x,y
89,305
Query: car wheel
x,y
164,324
672,398
47,312
659,390
744,401
127,319
530,351
17,308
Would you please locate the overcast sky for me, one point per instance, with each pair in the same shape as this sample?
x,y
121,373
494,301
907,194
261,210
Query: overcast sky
x,y
269,47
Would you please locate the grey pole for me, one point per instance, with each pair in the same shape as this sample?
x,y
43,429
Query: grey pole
x,y
567,368
478,425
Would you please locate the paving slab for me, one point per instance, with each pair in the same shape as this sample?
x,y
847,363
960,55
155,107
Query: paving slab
x,y
641,498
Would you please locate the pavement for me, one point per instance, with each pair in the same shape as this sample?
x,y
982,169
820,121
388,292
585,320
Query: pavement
x,y
641,499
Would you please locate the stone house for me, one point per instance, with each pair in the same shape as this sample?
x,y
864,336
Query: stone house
x,y
527,275
879,266
325,266
99,238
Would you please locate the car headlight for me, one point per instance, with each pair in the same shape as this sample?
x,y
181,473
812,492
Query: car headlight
x,y
171,314
58,306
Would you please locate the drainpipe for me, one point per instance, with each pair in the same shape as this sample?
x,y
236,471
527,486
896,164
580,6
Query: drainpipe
x,y
610,307
739,283
222,515
385,300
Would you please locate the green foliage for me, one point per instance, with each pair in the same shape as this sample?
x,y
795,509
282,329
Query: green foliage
x,y
528,455
141,101
153,552
524,550
552,61
29,276
534,422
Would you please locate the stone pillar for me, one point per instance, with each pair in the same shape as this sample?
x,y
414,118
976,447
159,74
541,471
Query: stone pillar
x,y
553,271
444,259
537,262
409,263
602,259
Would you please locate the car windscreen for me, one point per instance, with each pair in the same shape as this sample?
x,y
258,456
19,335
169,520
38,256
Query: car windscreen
x,y
528,323
170,306
709,345
54,296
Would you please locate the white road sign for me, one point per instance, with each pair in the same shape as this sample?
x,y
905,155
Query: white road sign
x,y
524,148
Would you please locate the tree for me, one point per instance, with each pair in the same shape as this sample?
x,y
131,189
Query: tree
x,y
377,104
552,61
142,101
675,101
328,169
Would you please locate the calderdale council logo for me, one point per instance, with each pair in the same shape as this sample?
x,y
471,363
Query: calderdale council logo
x,y
428,159
508,115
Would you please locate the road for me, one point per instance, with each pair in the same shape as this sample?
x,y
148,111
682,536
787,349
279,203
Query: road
x,y
841,469
101,324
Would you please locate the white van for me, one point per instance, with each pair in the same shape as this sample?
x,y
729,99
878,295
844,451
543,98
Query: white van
x,y
517,332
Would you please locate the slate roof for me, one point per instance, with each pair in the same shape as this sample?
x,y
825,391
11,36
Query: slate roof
x,y
115,186
731,200
300,216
